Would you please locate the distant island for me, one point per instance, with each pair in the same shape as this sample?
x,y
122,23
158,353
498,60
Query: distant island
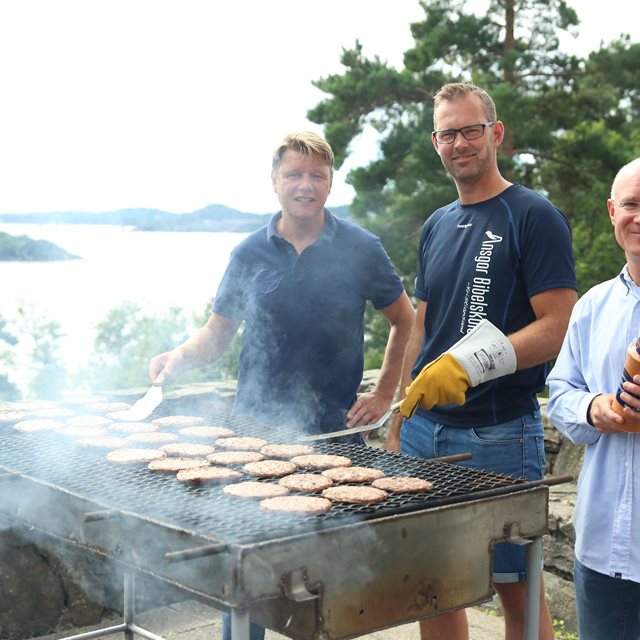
x,y
214,217
24,249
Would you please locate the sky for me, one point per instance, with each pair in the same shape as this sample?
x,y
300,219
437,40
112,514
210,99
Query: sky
x,y
177,104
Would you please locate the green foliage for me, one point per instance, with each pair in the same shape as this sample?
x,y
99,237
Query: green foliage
x,y
39,341
570,122
561,633
8,390
48,377
128,338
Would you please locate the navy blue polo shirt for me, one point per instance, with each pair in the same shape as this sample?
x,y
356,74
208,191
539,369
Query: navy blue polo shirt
x,y
302,352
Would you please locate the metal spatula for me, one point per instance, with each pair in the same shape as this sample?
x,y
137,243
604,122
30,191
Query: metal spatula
x,y
347,432
143,407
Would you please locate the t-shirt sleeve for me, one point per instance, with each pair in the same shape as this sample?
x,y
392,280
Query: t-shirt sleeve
x,y
547,253
230,299
385,285
419,290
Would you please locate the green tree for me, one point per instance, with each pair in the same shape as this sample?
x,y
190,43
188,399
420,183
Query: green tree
x,y
8,389
128,337
125,341
48,377
570,122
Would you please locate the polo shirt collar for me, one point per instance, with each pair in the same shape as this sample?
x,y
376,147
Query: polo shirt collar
x,y
326,235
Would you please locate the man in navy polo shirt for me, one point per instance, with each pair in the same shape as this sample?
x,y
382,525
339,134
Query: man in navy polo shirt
x,y
300,285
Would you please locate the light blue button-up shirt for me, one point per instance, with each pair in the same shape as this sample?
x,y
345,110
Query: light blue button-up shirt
x,y
607,516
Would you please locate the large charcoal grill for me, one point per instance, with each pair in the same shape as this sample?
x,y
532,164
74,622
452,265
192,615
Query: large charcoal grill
x,y
347,572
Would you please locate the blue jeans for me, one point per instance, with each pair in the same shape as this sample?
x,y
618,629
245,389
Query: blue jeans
x,y
607,607
514,448
256,632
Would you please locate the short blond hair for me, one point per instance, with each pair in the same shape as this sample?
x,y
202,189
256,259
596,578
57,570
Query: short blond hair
x,y
457,90
307,143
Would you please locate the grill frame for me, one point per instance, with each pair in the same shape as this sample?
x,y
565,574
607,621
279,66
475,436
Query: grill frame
x,y
285,580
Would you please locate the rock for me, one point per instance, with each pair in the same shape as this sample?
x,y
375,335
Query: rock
x,y
32,594
561,601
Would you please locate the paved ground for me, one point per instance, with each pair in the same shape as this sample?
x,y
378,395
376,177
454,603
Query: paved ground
x,y
191,620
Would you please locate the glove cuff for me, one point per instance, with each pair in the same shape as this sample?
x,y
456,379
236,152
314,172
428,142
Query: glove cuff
x,y
485,353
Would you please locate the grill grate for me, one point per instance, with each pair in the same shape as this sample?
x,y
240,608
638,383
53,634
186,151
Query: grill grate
x,y
206,509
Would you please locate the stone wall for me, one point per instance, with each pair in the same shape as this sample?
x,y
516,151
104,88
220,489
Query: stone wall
x,y
40,593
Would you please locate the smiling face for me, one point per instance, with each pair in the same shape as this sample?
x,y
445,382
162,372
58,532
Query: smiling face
x,y
302,183
625,217
467,161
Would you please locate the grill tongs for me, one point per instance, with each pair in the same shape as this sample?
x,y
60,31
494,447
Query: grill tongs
x,y
348,432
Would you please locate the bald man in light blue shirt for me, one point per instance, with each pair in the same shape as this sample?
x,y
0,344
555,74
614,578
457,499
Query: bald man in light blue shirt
x,y
582,387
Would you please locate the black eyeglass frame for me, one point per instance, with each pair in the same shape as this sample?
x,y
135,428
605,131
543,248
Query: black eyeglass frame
x,y
461,131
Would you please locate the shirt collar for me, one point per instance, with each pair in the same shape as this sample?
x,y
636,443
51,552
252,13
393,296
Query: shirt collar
x,y
626,280
326,235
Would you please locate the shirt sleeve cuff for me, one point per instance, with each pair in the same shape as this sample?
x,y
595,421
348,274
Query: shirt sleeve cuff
x,y
585,407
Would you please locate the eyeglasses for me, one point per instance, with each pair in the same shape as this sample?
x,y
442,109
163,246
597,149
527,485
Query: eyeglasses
x,y
472,132
628,206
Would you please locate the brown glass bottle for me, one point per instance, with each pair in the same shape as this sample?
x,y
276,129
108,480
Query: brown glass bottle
x,y
631,368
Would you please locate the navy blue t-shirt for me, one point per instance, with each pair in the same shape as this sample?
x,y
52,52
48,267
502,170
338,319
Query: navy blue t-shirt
x,y
303,343
487,260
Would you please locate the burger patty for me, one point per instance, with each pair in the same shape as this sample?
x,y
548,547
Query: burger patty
x,y
353,474
285,451
134,456
309,482
173,464
320,461
81,431
305,505
152,438
188,449
234,457
270,468
104,442
133,427
88,421
38,424
403,484
50,412
355,495
178,421
256,490
206,432
106,407
207,475
241,444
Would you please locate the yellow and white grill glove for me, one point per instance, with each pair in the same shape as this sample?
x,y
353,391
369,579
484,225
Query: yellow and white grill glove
x,y
483,354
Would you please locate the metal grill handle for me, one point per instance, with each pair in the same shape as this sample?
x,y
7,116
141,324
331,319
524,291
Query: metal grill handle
x,y
195,552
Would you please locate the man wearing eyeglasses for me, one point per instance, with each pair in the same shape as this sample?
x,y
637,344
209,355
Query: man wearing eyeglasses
x,y
496,284
582,387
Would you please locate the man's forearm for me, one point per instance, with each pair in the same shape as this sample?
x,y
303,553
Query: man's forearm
x,y
208,343
401,317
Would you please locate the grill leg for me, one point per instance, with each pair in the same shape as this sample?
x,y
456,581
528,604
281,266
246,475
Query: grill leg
x,y
532,597
129,603
239,624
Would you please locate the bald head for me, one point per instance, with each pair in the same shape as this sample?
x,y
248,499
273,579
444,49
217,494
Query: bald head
x,y
629,170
